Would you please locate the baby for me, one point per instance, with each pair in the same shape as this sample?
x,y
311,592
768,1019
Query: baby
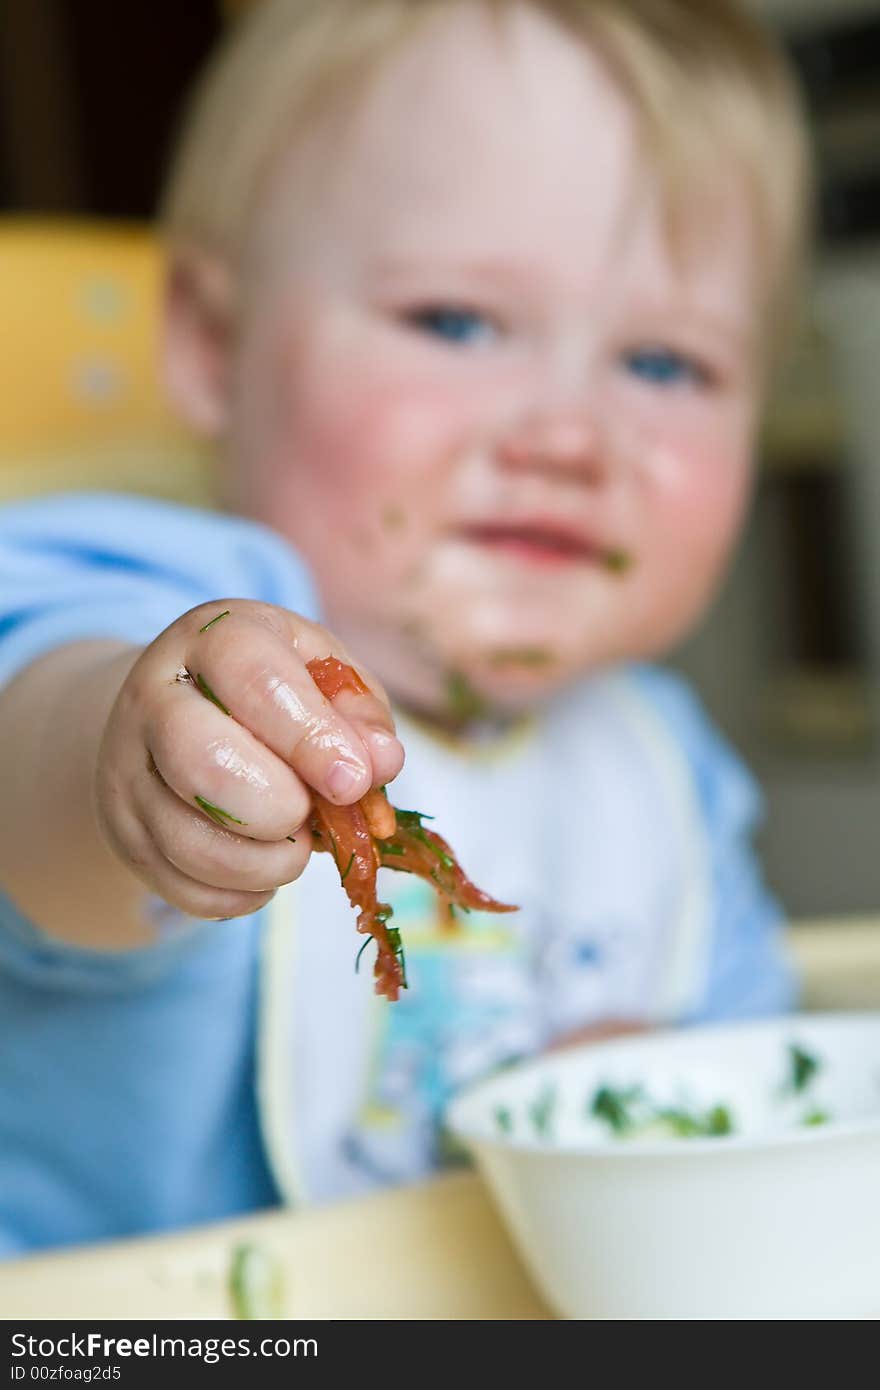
x,y
478,301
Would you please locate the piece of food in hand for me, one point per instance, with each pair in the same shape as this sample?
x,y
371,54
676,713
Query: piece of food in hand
x,y
373,834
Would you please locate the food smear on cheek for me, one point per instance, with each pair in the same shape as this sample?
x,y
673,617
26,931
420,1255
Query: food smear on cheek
x,y
531,658
465,704
393,518
373,834
618,561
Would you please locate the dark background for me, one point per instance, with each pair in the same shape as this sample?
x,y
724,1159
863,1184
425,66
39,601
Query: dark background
x,y
91,92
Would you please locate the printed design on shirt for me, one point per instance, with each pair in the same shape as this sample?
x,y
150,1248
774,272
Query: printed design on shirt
x,y
467,1010
593,968
480,996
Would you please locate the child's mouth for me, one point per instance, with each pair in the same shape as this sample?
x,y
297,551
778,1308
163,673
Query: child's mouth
x,y
541,544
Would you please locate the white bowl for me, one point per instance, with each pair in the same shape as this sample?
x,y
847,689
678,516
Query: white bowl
x,y
776,1220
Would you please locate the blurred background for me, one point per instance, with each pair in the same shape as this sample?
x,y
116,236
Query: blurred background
x,y
789,660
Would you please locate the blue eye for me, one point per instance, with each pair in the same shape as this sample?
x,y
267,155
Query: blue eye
x,y
663,367
457,326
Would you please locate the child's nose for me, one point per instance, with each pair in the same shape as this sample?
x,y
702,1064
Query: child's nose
x,y
564,443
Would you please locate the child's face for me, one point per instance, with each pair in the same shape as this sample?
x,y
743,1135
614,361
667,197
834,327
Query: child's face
x,y
508,428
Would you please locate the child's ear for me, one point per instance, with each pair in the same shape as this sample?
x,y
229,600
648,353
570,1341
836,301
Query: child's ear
x,y
197,338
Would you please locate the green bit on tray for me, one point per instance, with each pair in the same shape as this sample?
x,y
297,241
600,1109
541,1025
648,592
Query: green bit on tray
x,y
256,1287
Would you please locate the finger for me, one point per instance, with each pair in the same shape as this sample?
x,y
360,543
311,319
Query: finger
x,y
137,849
210,853
356,702
386,753
309,640
368,713
246,668
220,768
312,641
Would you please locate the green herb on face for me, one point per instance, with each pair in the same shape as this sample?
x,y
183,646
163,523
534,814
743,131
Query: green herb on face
x,y
217,813
255,1284
542,1110
224,614
617,561
209,694
465,704
803,1069
415,630
535,657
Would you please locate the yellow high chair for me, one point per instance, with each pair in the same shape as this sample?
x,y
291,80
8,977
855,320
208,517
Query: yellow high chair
x,y
81,403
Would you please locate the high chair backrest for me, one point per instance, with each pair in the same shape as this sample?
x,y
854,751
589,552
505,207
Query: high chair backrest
x,y
81,403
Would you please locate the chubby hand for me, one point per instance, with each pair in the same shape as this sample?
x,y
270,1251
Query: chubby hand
x,y
214,746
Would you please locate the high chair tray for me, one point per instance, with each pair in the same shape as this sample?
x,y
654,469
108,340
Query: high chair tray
x,y
436,1251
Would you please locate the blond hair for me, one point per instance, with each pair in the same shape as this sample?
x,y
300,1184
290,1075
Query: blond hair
x,y
709,87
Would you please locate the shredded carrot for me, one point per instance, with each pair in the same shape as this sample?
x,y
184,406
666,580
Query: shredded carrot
x,y
371,834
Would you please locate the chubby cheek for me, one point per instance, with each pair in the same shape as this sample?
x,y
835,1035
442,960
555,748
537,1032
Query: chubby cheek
x,y
354,467
698,494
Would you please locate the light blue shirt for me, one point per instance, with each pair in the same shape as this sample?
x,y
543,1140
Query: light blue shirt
x,y
127,1081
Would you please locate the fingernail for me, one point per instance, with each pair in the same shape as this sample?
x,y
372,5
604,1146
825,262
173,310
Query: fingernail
x,y
344,779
